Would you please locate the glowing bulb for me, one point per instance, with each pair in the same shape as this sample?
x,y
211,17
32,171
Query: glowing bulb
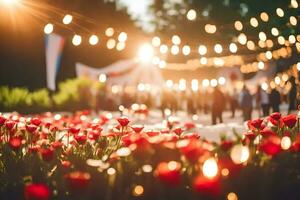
x,y
156,41
286,142
76,40
182,84
102,78
67,19
232,196
218,48
120,46
242,38
109,32
238,25
292,39
162,64
191,15
138,190
264,86
298,66
48,28
202,50
254,22
293,20
195,85
210,28
169,83
172,165
205,83
176,39
213,82
9,2
163,49
186,50
250,45
221,80
111,171
203,61
281,40
122,37
174,49
261,65
210,168
294,4
111,43
264,16
93,40
239,154
269,55
233,48
274,31
262,36
279,12
277,80
219,62
146,53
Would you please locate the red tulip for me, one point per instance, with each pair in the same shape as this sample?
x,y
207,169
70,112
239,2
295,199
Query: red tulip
x,y
2,120
56,145
10,124
78,180
250,135
290,120
36,191
80,138
168,172
36,121
74,130
266,132
47,154
274,118
31,128
192,150
15,143
178,131
271,145
255,124
123,121
206,186
137,129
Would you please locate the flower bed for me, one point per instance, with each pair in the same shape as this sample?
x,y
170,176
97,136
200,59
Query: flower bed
x,y
72,157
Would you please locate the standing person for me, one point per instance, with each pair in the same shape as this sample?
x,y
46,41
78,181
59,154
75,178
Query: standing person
x,y
262,100
233,101
275,100
218,105
246,103
292,94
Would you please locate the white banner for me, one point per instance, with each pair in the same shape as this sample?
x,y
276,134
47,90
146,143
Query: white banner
x,y
54,47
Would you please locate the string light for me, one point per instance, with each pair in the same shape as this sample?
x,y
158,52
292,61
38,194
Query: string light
x,y
281,40
264,16
292,39
279,12
238,25
202,50
250,45
162,64
174,50
219,62
277,80
264,86
232,196
286,143
261,65
67,19
239,154
195,85
145,53
111,43
298,66
205,83
233,48
274,31
176,39
294,3
203,61
221,80
76,40
163,49
210,28
254,22
242,38
293,20
102,78
109,32
122,37
156,41
93,40
213,82
120,46
218,48
186,50
191,15
138,190
262,36
210,168
269,55
48,29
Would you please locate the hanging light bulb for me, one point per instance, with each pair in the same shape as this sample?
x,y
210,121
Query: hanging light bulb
x,y
242,38
202,50
156,41
279,12
264,16
76,40
274,31
239,154
293,20
254,22
176,39
261,65
262,36
292,39
109,32
191,15
186,50
238,25
203,61
163,49
205,83
67,19
281,40
218,48
93,40
250,45
111,43
122,37
174,50
233,48
294,4
210,168
269,55
48,29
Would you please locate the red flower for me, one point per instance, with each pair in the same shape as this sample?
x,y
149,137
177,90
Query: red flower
x,y
47,154
266,132
137,129
168,172
36,121
10,124
275,118
290,120
255,124
206,186
56,144
189,125
2,120
192,150
271,145
178,131
15,143
94,135
78,180
66,163
80,138
250,135
296,144
123,121
74,130
36,191
31,128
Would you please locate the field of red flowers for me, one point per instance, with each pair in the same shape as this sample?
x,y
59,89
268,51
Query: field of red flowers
x,y
77,157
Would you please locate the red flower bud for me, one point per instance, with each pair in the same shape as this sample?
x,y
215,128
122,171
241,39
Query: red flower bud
x,y
15,143
137,129
36,191
271,145
36,121
2,120
31,128
80,138
274,118
10,124
74,130
123,121
47,154
178,131
255,124
290,120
